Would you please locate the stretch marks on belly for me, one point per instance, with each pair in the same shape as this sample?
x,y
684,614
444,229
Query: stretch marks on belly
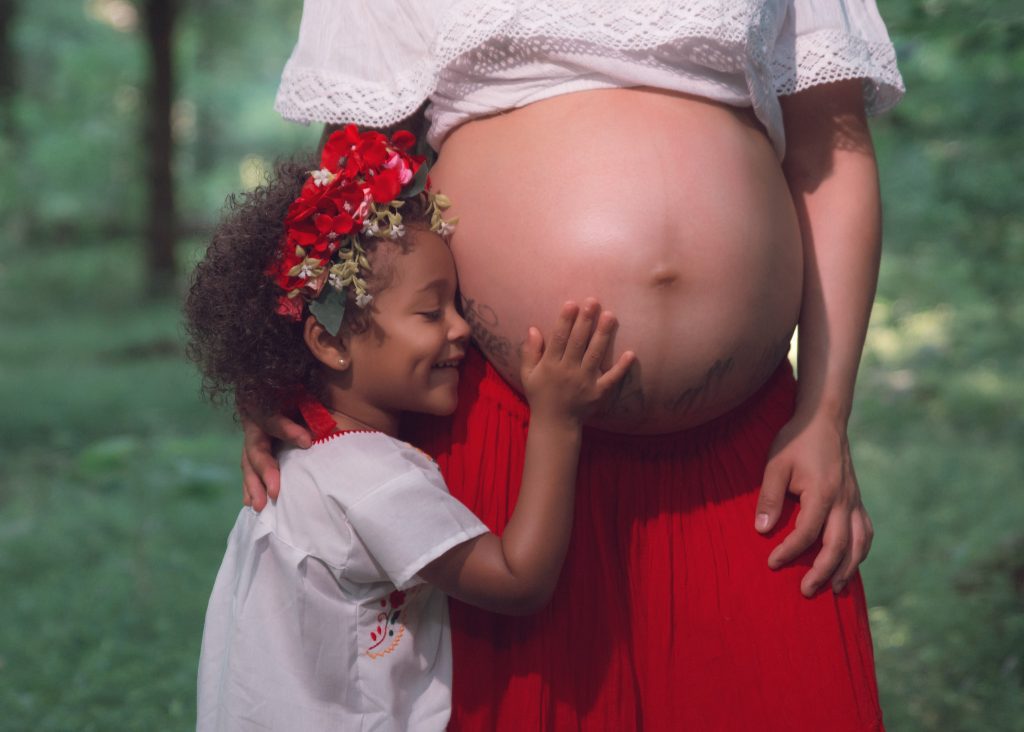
x,y
697,396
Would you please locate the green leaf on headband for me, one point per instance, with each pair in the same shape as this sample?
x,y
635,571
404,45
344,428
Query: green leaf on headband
x,y
329,309
417,184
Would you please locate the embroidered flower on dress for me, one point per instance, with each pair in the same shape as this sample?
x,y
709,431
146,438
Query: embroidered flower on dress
x,y
392,620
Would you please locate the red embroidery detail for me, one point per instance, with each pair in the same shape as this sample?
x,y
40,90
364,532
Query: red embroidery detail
x,y
391,622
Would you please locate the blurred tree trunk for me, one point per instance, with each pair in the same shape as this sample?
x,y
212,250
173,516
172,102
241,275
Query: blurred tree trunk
x,y
159,17
15,218
8,70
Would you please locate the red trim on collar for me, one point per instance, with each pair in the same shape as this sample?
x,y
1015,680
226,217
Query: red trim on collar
x,y
342,433
316,417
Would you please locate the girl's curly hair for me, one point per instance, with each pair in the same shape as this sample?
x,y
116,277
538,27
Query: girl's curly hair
x,y
241,345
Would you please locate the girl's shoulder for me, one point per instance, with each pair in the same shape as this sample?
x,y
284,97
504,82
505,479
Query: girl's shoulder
x,y
348,465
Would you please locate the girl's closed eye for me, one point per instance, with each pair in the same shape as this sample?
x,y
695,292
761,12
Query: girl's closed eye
x,y
431,315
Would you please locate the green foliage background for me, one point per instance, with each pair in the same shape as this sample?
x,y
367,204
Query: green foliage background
x,y
118,486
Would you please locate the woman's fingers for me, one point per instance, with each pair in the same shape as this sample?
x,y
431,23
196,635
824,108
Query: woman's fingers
x,y
246,470
809,520
772,496
260,472
835,544
288,431
869,531
253,492
860,545
850,559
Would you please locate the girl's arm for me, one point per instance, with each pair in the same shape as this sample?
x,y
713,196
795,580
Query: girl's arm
x,y
564,384
832,175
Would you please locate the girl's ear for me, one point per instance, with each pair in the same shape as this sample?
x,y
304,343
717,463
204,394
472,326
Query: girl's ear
x,y
331,351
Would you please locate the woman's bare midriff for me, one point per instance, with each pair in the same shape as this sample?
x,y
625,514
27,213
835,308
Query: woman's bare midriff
x,y
671,210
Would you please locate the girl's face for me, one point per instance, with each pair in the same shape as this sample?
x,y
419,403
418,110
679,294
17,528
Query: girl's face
x,y
408,359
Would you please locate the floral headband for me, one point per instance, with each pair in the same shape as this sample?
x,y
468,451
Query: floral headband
x,y
363,181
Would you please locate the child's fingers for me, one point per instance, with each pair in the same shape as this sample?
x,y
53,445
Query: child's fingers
x,y
600,341
555,347
582,330
615,374
533,349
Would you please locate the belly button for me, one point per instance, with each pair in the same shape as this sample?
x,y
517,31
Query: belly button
x,y
663,276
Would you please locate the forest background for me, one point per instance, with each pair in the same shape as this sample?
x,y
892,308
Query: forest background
x,y
123,126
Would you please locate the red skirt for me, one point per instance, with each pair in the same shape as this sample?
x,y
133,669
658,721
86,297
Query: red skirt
x,y
666,615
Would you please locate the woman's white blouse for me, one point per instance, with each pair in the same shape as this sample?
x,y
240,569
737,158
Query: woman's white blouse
x,y
374,62
317,620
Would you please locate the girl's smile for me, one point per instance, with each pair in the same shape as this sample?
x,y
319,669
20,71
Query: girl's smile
x,y
408,358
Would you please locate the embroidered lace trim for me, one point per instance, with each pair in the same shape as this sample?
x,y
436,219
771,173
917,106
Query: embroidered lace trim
x,y
314,94
828,56
745,28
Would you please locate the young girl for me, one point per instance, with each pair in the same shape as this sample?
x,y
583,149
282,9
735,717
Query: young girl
x,y
334,291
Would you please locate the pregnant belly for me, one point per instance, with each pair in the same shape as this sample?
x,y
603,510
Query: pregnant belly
x,y
671,210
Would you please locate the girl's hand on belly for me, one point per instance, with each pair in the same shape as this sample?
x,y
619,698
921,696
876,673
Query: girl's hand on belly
x,y
811,459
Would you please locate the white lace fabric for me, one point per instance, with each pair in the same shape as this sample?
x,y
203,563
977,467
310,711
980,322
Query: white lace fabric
x,y
374,62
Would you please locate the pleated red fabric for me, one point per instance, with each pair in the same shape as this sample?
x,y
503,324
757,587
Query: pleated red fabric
x,y
666,616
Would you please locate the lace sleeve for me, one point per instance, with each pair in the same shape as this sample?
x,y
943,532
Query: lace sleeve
x,y
359,61
823,41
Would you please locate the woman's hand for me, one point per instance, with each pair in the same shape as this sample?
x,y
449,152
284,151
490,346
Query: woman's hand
x,y
811,459
261,477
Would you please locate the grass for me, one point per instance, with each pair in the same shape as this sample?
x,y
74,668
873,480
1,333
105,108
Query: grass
x,y
118,487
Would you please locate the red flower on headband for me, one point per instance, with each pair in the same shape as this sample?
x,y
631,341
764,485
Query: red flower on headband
x,y
350,152
290,307
372,150
347,198
385,185
403,140
338,148
338,223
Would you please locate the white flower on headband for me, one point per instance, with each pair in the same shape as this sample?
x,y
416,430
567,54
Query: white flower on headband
x,y
322,177
397,231
363,299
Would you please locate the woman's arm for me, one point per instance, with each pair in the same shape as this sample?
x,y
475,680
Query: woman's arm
x,y
517,572
831,170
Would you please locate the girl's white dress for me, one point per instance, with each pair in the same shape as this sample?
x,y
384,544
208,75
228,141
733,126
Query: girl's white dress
x,y
317,619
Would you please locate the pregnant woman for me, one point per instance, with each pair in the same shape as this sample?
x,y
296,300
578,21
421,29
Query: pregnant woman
x,y
706,171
